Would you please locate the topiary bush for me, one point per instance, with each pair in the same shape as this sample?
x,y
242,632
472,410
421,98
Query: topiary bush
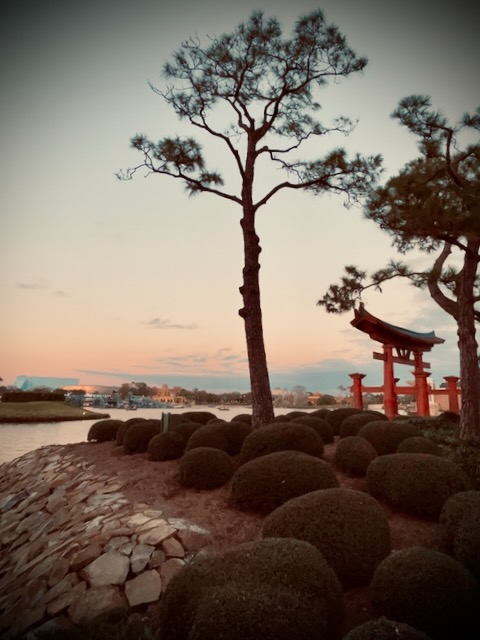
x,y
205,468
138,435
466,543
104,430
453,511
275,589
353,455
209,435
198,416
384,629
281,436
351,425
243,417
123,428
419,444
264,483
236,432
319,413
417,483
321,426
386,435
166,446
348,527
428,590
335,417
186,429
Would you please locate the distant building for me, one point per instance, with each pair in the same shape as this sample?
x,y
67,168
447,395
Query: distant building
x,y
27,383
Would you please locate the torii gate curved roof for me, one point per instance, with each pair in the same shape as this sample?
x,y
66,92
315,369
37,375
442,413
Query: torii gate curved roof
x,y
391,334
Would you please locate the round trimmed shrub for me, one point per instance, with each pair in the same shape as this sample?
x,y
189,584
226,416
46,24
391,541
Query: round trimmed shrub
x,y
209,435
453,511
275,589
236,432
319,413
198,416
319,425
419,444
466,543
205,468
264,483
243,417
281,436
104,430
384,629
428,590
353,455
348,527
386,435
351,425
186,429
138,435
291,415
166,446
335,417
123,428
417,483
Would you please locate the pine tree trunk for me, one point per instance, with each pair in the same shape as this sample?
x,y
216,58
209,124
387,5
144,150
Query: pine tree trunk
x,y
468,346
251,312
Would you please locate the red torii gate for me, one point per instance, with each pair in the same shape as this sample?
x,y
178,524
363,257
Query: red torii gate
x,y
409,348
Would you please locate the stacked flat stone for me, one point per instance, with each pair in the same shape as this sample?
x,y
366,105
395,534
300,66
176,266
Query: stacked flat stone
x,y
73,547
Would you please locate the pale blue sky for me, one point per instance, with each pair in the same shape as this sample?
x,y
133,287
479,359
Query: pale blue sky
x,y
110,281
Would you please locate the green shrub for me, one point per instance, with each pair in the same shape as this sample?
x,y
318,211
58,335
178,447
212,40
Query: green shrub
x,y
319,413
348,527
243,417
383,629
453,511
417,483
267,589
353,455
466,543
386,435
236,432
428,590
264,483
104,430
186,429
466,453
321,426
291,415
205,468
419,444
209,435
281,436
198,416
335,417
166,446
138,435
351,425
123,428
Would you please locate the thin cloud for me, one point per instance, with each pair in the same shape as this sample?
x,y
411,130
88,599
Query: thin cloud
x,y
164,323
38,285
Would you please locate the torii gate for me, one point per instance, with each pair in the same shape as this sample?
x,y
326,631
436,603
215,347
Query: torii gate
x,y
409,348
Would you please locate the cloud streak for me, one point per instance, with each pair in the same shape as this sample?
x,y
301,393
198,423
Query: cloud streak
x,y
165,323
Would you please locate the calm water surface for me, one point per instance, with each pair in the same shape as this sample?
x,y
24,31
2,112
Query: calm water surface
x,y
17,439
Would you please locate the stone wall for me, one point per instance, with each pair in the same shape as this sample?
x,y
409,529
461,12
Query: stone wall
x,y
73,547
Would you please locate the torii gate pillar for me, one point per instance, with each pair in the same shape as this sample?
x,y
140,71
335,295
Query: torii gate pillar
x,y
390,402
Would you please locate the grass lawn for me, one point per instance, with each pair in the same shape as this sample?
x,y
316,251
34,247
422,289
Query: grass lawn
x,y
44,412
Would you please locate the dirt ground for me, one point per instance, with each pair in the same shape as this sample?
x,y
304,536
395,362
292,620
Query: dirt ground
x,y
156,484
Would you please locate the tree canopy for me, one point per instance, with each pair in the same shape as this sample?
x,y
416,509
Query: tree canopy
x,y
255,93
433,205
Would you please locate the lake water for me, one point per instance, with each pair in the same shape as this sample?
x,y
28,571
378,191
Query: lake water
x,y
17,439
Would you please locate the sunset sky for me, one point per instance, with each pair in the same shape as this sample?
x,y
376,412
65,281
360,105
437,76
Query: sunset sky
x,y
112,282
